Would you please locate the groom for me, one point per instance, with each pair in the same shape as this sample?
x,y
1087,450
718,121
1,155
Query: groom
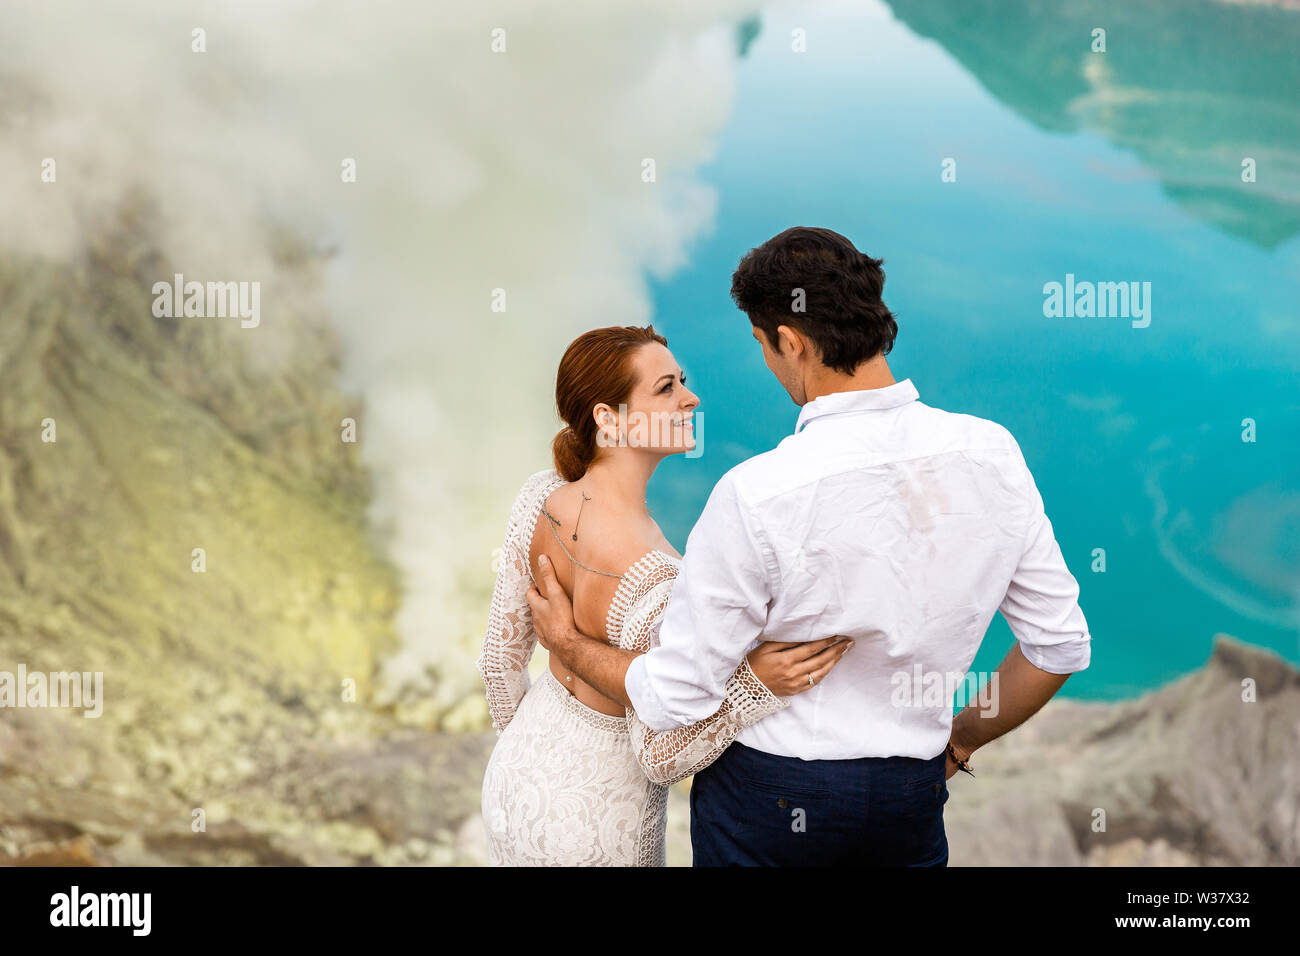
x,y
882,519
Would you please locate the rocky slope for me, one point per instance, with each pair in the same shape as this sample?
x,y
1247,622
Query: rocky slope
x,y
1190,774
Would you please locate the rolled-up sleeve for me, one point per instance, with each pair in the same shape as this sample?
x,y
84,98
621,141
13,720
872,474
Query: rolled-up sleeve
x,y
717,611
1042,602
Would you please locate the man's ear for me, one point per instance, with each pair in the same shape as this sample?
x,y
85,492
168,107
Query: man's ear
x,y
790,340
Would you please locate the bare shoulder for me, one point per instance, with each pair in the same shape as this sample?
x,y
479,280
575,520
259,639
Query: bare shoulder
x,y
608,542
623,547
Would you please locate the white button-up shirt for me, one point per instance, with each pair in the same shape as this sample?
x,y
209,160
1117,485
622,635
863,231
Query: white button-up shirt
x,y
900,525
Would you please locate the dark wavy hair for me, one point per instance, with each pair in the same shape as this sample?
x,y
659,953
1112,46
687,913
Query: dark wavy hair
x,y
596,368
843,312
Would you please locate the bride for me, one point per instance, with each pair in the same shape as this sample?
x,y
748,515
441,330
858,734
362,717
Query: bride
x,y
575,779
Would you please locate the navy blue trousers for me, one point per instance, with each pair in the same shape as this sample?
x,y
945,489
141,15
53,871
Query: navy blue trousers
x,y
752,808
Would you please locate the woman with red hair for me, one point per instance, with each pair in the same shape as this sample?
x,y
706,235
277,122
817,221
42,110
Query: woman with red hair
x,y
575,778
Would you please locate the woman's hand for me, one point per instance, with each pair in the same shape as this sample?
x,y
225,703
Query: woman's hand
x,y
784,666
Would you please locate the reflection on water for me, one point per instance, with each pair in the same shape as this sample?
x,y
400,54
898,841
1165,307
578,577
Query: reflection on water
x,y
1240,542
1190,87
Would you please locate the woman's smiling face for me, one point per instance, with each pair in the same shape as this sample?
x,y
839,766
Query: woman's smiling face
x,y
659,412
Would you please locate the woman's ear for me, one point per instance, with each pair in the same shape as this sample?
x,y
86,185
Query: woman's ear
x,y
606,425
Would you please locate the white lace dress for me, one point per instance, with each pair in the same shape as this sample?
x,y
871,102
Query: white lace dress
x,y
567,785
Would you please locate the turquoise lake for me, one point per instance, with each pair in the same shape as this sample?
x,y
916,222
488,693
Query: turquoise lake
x,y
1122,166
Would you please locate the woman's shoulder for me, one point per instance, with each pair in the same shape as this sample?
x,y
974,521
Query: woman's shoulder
x,y
625,546
539,482
541,479
534,492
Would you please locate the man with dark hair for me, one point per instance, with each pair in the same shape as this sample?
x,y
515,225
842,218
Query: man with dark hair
x,y
883,519
815,281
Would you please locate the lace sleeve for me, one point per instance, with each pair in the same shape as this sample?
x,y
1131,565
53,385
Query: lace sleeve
x,y
510,640
671,755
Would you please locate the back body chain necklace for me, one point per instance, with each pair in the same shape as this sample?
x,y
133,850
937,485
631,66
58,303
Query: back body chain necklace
x,y
555,523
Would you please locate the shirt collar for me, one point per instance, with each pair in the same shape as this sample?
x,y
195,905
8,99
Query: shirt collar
x,y
861,400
